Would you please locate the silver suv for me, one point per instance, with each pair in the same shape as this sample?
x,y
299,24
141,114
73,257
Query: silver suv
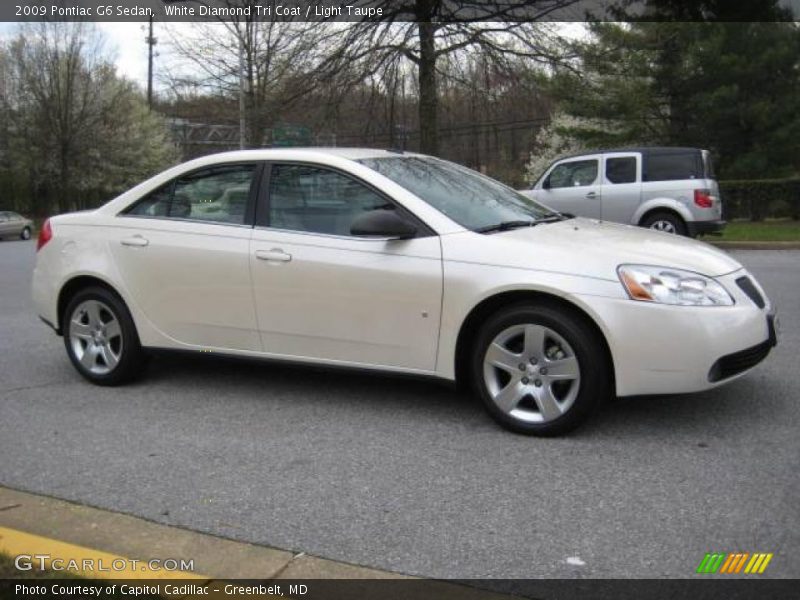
x,y
663,188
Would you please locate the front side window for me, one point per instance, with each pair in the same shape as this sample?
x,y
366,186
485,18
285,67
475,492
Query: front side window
x,y
470,199
316,200
219,195
621,169
573,174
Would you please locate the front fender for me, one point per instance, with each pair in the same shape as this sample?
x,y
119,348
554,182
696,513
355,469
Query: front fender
x,y
469,285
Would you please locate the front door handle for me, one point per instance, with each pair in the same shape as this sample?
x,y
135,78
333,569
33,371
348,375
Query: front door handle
x,y
591,195
136,240
274,255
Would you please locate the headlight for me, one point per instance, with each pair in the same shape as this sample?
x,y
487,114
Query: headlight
x,y
672,286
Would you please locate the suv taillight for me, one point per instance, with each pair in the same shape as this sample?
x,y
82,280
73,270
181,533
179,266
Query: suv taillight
x,y
45,235
703,198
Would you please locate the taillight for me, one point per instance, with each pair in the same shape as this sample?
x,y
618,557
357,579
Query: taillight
x,y
45,235
703,198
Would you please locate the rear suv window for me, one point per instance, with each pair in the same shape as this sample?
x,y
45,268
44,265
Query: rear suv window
x,y
621,170
673,165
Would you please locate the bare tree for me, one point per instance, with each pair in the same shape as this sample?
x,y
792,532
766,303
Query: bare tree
x,y
425,31
266,58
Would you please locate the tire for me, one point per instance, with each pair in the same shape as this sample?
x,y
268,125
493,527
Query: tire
x,y
539,369
100,337
25,234
665,221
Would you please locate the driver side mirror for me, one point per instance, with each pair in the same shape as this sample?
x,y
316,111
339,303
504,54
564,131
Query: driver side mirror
x,y
384,224
546,183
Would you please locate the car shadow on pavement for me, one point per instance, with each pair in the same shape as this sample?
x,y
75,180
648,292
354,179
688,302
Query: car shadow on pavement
x,y
211,376
262,379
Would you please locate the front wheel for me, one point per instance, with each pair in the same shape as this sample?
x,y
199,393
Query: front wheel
x,y
539,369
25,234
101,338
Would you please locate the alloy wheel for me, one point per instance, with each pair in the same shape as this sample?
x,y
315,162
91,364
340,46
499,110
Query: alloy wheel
x,y
531,373
663,225
95,337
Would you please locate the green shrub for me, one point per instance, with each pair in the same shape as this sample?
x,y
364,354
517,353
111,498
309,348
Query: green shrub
x,y
761,199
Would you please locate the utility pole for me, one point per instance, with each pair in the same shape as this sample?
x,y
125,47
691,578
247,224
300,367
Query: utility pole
x,y
242,123
150,41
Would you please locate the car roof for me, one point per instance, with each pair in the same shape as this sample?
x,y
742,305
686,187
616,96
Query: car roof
x,y
642,149
296,153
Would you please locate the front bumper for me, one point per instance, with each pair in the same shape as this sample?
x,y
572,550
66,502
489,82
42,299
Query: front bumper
x,y
660,349
731,365
696,228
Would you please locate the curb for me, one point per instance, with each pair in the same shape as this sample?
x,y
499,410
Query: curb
x,y
744,245
83,527
31,524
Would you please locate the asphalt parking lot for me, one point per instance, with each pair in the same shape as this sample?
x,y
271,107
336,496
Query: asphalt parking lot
x,y
408,475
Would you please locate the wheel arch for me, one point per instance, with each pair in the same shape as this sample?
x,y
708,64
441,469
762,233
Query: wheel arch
x,y
71,287
668,205
490,305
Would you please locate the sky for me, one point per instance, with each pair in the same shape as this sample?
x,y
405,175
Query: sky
x,y
125,42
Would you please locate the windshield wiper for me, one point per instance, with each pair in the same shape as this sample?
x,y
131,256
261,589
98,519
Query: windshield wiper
x,y
552,218
506,225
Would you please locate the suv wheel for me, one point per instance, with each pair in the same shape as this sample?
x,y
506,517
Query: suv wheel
x,y
100,337
666,222
539,369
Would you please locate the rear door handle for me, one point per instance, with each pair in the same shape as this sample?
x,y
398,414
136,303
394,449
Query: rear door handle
x,y
591,195
274,255
136,240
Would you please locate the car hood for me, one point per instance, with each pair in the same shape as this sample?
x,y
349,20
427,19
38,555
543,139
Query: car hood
x,y
593,249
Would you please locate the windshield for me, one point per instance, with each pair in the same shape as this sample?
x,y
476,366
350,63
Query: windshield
x,y
467,197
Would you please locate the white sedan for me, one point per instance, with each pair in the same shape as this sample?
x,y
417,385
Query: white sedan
x,y
397,262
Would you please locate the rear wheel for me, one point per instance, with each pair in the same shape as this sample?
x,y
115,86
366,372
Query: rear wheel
x,y
539,369
25,234
100,337
666,222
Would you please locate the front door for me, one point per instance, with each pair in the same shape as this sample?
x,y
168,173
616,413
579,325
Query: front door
x,y
574,186
322,293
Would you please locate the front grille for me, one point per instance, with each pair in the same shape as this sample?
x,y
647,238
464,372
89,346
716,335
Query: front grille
x,y
735,363
746,285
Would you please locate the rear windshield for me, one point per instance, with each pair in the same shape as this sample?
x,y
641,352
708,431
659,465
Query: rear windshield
x,y
674,165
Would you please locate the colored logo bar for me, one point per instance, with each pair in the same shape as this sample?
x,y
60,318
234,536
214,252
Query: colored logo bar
x,y
735,563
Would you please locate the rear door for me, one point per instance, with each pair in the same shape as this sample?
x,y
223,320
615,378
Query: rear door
x,y
183,253
574,186
622,186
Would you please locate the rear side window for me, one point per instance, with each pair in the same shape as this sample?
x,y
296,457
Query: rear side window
x,y
218,194
621,170
673,166
573,174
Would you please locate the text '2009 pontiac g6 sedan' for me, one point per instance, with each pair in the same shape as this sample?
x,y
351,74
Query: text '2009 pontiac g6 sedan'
x,y
399,262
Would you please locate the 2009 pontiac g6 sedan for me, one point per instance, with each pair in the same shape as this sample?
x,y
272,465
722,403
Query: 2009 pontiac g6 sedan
x,y
399,262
